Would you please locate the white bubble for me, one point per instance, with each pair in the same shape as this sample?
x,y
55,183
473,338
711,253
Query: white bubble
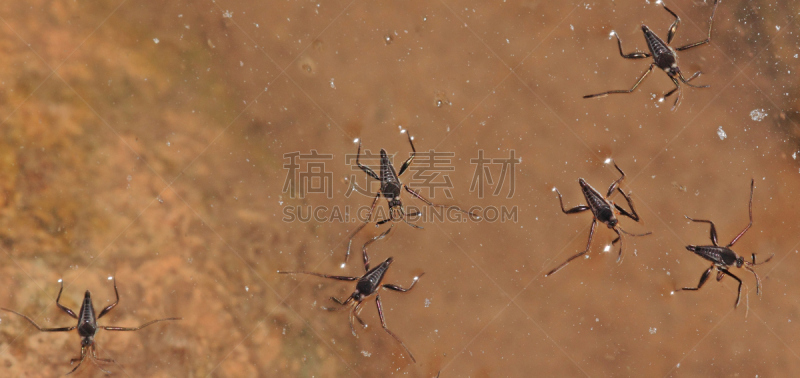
x,y
355,140
721,133
60,280
608,161
110,278
342,266
607,248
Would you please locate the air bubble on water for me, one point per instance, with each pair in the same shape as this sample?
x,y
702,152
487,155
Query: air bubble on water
x,y
355,140
607,161
402,131
777,27
612,34
428,303
652,330
672,293
169,144
156,40
246,289
554,189
607,248
596,320
60,280
110,278
416,278
332,85
342,266
721,133
365,353
227,14
130,177
758,115
160,200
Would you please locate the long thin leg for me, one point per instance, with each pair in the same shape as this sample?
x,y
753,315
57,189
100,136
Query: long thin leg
x,y
678,97
574,210
408,161
370,241
765,261
352,315
340,278
364,168
366,222
64,308
95,360
80,360
713,229
579,254
758,280
703,279
109,307
686,81
402,290
674,27
357,313
739,293
752,185
624,91
60,329
621,243
707,40
383,323
615,184
342,305
472,216
112,328
633,214
633,55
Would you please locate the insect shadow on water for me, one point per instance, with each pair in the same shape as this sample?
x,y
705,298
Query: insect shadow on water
x,y
390,189
366,286
664,57
87,326
603,211
722,258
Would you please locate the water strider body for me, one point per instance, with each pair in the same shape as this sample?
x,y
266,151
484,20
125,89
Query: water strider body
x,y
723,258
87,326
664,57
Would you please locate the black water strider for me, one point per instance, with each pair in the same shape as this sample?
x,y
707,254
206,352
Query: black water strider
x,y
664,57
366,286
390,189
722,258
87,326
603,211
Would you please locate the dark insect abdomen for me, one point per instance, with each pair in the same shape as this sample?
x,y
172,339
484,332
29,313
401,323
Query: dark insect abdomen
x,y
369,283
717,255
663,56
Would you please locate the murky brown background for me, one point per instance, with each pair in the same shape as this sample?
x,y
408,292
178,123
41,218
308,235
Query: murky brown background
x,y
145,141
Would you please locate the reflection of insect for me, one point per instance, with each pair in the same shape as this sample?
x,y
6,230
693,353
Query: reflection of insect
x,y
664,57
87,326
390,189
367,285
603,210
723,258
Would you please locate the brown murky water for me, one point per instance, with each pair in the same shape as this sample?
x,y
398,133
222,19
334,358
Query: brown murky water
x,y
147,142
